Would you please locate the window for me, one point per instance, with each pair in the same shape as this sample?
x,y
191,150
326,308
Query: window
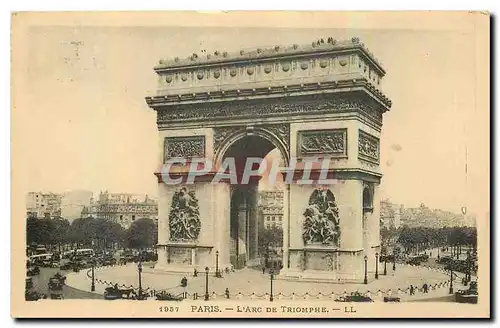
x,y
121,217
279,218
133,217
273,218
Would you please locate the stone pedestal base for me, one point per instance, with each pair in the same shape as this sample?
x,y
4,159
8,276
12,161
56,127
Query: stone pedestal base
x,y
324,264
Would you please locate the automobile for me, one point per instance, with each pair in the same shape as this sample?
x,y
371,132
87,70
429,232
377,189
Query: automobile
x,y
386,258
469,295
413,261
55,284
444,260
355,297
108,261
29,283
66,266
164,296
423,257
31,295
33,271
388,299
114,293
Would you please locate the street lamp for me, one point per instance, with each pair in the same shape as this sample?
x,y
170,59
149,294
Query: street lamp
x,y
366,270
217,275
385,265
206,284
272,277
139,268
469,262
376,265
92,286
451,279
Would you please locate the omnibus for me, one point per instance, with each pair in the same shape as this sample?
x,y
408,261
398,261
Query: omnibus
x,y
84,252
40,257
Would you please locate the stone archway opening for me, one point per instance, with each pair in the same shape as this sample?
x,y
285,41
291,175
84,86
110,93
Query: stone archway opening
x,y
256,206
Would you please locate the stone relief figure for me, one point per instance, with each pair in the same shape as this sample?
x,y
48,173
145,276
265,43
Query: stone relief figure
x,y
184,218
321,224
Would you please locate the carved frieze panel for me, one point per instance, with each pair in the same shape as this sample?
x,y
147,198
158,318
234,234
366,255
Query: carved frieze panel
x,y
242,109
184,147
368,147
331,142
184,217
321,224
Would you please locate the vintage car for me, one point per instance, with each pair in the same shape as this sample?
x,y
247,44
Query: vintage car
x,y
388,299
164,296
55,284
354,297
29,283
108,261
386,258
114,293
444,260
31,295
467,295
33,271
414,261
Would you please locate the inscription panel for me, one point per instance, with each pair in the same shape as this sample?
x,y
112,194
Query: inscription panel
x,y
331,142
184,147
368,147
180,255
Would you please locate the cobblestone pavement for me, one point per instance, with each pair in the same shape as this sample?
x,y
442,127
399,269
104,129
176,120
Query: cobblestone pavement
x,y
248,281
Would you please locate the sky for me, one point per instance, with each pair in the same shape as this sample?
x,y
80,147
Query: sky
x,y
85,123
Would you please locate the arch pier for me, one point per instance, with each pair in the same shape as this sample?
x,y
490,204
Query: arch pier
x,y
318,101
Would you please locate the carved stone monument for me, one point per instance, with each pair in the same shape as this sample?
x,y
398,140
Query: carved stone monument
x,y
321,100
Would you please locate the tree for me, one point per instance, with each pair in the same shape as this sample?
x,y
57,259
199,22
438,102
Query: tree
x,y
142,234
271,237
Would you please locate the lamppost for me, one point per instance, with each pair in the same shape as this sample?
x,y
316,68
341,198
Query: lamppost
x,y
92,286
468,261
139,268
366,270
451,279
376,265
272,277
206,284
385,265
217,275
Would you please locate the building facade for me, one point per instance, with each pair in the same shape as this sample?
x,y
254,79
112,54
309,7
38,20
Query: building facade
x,y
122,208
390,214
270,209
43,205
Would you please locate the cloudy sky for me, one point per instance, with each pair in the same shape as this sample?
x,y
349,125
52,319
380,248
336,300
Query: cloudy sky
x,y
85,124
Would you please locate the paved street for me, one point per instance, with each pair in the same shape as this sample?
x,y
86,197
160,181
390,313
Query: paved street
x,y
248,281
40,284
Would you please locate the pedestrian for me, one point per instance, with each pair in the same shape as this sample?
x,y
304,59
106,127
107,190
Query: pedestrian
x,y
412,290
263,270
426,288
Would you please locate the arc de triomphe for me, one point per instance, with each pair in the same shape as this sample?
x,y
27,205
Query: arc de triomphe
x,y
320,100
